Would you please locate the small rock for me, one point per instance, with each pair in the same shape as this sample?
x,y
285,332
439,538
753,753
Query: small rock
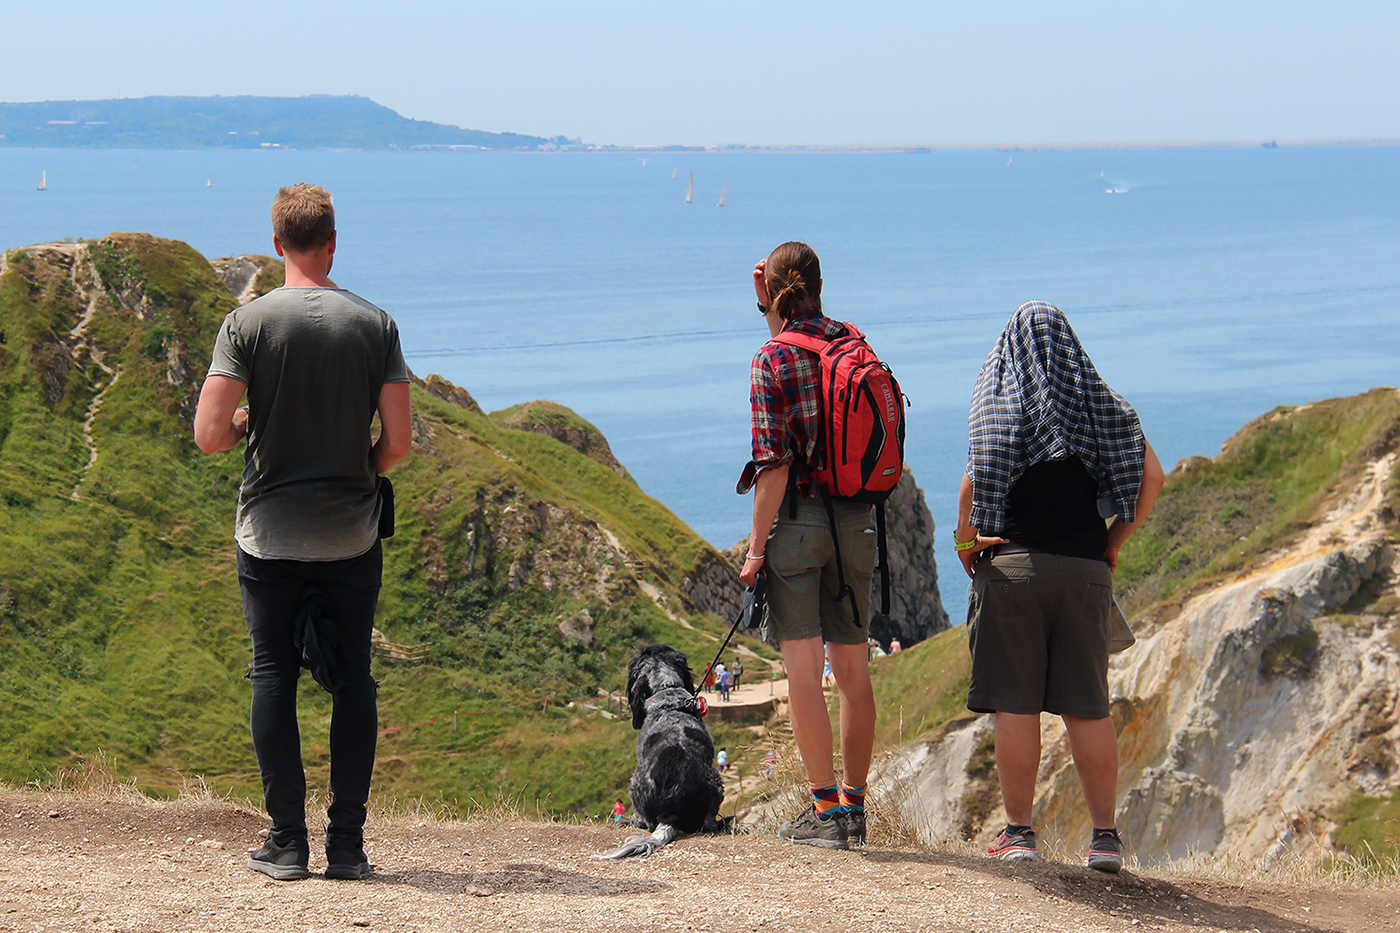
x,y
212,844
359,923
189,840
477,890
54,814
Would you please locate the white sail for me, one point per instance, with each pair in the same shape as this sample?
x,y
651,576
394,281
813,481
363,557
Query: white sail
x,y
44,181
689,192
723,188
673,173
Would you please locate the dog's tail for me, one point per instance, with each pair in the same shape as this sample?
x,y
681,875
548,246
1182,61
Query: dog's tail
x,y
642,846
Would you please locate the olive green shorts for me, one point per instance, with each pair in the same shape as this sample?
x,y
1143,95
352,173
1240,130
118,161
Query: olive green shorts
x,y
1037,626
800,562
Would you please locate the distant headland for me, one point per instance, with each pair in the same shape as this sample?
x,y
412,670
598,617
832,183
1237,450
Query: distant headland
x,y
316,122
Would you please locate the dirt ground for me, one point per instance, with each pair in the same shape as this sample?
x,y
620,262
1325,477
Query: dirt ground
x,y
99,864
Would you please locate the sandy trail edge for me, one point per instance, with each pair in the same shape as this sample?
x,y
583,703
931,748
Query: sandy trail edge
x,y
91,863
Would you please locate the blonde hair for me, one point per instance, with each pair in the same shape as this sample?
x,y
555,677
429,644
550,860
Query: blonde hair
x,y
793,275
303,217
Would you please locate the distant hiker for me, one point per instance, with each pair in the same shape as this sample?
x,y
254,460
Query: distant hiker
x,y
1053,453
895,646
726,680
317,363
723,759
809,612
619,809
709,683
737,669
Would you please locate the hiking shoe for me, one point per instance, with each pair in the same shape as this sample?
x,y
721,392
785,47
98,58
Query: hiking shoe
x,y
285,863
1014,846
853,822
812,830
347,864
1105,851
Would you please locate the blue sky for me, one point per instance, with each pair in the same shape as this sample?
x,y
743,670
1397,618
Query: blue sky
x,y
882,72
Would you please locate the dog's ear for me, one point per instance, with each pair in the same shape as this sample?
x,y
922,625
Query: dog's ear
x,y
638,689
686,675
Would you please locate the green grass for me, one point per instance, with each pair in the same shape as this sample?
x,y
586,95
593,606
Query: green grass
x,y
1274,479
1368,828
922,689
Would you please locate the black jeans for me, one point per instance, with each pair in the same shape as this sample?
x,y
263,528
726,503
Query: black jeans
x,y
273,592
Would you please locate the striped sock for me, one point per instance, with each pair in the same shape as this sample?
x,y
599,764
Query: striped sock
x,y
853,798
825,798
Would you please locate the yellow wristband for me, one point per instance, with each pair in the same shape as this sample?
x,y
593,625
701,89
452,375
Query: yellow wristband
x,y
964,545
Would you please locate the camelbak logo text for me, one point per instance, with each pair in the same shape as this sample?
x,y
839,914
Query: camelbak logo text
x,y
889,404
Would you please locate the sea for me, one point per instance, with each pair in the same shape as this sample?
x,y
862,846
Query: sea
x,y
1209,285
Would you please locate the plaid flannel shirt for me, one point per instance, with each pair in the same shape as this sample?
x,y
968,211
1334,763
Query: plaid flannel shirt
x,y
1039,397
785,396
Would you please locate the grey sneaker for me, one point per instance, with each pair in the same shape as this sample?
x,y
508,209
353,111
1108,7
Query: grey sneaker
x,y
285,863
1014,846
812,830
853,822
1105,851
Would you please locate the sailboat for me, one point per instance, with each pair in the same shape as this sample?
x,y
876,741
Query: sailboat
x,y
673,173
209,183
722,190
43,181
691,190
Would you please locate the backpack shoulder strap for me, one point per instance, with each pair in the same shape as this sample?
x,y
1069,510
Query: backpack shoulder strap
x,y
805,341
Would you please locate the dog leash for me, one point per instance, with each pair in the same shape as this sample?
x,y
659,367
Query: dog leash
x,y
752,605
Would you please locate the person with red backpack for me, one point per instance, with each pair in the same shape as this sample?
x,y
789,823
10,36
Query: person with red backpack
x,y
828,437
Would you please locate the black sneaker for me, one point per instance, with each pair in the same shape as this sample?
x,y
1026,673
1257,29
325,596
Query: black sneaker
x,y
347,864
1105,851
285,863
813,830
853,822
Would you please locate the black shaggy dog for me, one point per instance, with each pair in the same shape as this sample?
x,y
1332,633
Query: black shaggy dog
x,y
675,788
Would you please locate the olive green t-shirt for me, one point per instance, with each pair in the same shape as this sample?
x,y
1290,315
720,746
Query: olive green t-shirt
x,y
314,361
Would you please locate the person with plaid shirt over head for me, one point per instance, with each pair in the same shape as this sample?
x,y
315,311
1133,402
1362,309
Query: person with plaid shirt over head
x,y
1052,453
793,544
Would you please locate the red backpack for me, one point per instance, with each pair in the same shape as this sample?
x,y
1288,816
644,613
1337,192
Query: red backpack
x,y
862,432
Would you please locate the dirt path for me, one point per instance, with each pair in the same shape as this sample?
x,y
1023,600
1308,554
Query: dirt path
x,y
103,864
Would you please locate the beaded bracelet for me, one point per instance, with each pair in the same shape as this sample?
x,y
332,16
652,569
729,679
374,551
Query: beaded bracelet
x,y
964,545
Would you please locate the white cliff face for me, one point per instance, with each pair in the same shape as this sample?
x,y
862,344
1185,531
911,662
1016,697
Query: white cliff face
x,y
1245,719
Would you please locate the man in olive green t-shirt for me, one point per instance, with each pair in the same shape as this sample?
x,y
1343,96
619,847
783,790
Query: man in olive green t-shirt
x,y
317,363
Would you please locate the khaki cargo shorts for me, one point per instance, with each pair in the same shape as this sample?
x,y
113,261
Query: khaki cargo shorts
x,y
800,561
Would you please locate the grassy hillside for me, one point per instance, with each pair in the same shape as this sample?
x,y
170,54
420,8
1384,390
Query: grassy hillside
x,y
517,561
1271,481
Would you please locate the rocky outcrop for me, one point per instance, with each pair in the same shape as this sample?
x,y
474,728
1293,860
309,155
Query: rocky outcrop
x,y
713,586
439,387
1246,714
916,608
249,277
564,425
